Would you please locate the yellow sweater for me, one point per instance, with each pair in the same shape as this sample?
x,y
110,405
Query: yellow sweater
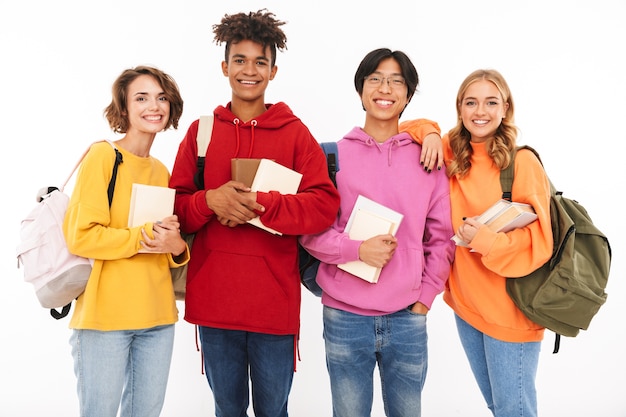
x,y
476,288
126,290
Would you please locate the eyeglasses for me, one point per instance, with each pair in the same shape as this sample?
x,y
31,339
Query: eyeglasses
x,y
393,81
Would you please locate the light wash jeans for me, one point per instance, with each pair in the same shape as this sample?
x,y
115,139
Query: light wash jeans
x,y
127,366
232,356
355,344
505,371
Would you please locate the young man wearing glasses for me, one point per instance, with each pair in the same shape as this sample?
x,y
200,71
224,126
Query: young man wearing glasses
x,y
383,323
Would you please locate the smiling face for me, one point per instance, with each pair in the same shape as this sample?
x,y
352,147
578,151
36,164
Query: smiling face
x,y
147,106
482,109
384,94
249,72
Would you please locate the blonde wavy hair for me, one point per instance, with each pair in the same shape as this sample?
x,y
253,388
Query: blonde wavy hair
x,y
504,139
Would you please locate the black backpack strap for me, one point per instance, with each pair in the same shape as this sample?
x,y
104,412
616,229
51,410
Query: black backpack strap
x,y
506,177
557,342
332,159
60,314
203,138
508,173
118,160
198,177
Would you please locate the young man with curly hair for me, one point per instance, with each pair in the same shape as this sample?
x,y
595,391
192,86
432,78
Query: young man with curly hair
x,y
243,286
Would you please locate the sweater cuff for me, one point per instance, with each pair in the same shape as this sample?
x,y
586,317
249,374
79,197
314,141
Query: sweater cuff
x,y
428,295
350,249
483,241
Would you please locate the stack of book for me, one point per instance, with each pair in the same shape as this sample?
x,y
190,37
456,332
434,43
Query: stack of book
x,y
504,216
265,175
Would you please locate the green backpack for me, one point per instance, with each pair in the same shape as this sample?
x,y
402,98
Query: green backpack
x,y
567,291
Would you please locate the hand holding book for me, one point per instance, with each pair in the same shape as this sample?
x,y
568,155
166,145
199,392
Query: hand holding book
x,y
378,250
369,219
272,176
150,204
504,216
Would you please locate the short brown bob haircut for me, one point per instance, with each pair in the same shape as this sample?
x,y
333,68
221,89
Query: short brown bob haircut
x,y
116,112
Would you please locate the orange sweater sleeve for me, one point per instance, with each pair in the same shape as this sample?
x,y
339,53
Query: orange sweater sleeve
x,y
419,128
511,254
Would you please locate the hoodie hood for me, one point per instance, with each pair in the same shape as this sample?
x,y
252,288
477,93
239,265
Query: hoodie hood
x,y
275,117
357,134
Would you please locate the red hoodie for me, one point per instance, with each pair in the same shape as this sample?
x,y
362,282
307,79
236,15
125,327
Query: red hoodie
x,y
245,278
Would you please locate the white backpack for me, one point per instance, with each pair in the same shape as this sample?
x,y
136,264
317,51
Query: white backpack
x,y
58,276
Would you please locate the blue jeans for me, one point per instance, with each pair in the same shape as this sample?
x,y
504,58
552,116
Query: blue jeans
x,y
505,371
355,344
127,366
232,356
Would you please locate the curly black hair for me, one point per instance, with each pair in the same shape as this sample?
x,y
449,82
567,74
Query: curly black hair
x,y
261,27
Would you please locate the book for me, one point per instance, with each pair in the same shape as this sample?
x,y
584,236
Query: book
x,y
368,219
504,216
149,203
272,176
244,169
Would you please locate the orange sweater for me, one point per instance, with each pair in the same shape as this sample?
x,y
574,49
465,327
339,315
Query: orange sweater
x,y
476,288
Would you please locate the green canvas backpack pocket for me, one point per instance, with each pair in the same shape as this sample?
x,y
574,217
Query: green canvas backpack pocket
x,y
568,290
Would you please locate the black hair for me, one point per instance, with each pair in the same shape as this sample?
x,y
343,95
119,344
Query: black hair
x,y
371,61
261,27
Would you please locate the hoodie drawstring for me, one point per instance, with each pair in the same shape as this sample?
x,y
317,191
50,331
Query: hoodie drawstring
x,y
372,142
237,122
253,123
393,142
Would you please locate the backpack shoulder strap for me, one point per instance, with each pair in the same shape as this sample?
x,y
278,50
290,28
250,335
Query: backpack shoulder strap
x,y
62,187
332,159
205,128
506,181
118,160
508,173
203,138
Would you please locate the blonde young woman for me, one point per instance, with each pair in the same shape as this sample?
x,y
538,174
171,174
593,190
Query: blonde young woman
x,y
501,344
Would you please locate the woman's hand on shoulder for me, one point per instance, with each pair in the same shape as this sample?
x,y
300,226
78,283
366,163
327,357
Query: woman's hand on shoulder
x,y
431,156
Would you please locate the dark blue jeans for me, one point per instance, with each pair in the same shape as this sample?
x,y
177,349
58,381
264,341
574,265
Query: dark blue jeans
x,y
234,358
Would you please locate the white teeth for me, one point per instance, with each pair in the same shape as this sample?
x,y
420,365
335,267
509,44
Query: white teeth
x,y
385,102
481,122
248,82
154,118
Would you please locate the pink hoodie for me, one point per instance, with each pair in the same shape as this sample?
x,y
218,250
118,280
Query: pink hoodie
x,y
388,173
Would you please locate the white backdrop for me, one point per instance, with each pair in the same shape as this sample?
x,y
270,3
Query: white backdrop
x,y
564,61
